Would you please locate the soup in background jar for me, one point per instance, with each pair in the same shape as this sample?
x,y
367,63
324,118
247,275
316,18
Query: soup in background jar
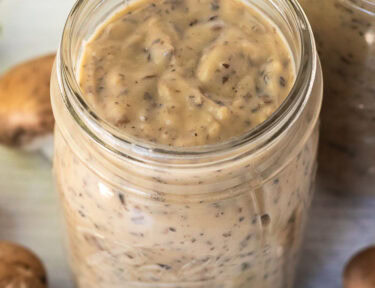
x,y
345,36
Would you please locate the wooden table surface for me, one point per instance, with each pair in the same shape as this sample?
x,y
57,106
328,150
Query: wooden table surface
x,y
339,225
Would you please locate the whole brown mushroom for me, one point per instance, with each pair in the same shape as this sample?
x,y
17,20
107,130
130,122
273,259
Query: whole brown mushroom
x,y
25,107
360,270
20,268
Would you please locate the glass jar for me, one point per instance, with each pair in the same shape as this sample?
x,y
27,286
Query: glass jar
x,y
345,35
228,215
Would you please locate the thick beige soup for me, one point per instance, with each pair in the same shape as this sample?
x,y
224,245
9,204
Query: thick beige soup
x,y
186,72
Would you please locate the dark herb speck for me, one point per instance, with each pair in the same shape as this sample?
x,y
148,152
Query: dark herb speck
x,y
282,81
192,23
122,199
245,266
164,266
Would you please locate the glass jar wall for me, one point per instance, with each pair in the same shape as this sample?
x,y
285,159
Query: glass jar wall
x,y
229,215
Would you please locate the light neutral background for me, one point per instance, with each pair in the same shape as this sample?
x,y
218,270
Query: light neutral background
x,y
340,225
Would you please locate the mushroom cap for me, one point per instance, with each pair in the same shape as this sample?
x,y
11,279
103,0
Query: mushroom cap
x,y
19,267
360,270
25,109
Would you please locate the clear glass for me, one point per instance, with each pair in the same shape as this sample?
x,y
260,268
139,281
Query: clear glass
x,y
228,215
345,35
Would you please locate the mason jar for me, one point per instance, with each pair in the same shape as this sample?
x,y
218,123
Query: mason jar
x,y
225,215
345,35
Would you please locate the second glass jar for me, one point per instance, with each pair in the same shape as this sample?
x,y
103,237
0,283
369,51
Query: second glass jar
x,y
345,35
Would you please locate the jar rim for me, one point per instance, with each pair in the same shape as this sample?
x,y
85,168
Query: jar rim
x,y
107,137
